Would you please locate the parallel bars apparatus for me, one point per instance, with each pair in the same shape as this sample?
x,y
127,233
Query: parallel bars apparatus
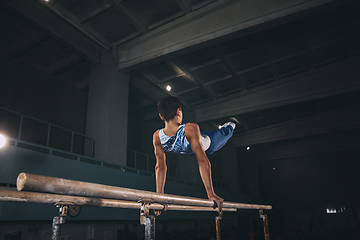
x,y
70,192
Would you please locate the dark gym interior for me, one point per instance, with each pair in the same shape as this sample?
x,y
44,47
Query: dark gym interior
x,y
79,85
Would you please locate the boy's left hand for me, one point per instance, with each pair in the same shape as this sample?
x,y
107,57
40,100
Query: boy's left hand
x,y
219,201
158,212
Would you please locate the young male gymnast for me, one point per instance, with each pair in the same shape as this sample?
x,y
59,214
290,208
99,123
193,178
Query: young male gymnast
x,y
186,139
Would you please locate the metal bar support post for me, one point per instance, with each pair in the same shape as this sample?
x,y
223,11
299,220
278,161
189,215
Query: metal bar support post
x,y
217,222
147,220
266,227
58,220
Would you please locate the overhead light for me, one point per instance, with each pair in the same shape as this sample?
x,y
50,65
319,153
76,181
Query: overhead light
x,y
168,88
2,140
273,168
330,210
248,148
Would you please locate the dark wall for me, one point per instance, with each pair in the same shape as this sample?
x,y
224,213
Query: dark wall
x,y
28,91
322,180
304,188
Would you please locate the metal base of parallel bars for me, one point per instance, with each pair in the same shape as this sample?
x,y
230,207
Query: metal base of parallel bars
x,y
59,220
265,222
217,223
147,220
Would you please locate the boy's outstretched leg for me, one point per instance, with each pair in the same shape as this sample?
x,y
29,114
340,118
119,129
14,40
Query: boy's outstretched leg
x,y
220,136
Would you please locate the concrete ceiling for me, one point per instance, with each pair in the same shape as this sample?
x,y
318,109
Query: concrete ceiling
x,y
272,65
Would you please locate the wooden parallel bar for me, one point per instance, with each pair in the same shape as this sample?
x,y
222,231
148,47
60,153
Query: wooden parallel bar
x,y
37,183
45,198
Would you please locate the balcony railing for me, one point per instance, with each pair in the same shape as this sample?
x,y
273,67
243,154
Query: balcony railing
x,y
32,130
141,161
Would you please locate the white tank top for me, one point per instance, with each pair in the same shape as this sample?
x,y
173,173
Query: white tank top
x,y
178,142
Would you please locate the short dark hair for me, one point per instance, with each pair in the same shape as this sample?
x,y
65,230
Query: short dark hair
x,y
168,106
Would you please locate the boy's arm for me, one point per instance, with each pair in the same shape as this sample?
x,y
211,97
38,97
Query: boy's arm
x,y
193,135
160,168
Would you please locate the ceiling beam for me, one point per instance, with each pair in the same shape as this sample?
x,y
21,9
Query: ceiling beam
x,y
301,52
260,38
307,42
72,20
241,82
220,80
94,13
204,65
30,36
80,85
63,64
214,23
181,74
334,79
178,63
143,85
185,5
55,69
166,20
151,78
338,120
129,15
148,89
34,64
328,144
202,4
35,13
21,45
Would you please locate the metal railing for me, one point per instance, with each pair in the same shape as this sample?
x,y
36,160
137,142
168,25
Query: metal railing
x,y
144,162
26,128
219,182
141,161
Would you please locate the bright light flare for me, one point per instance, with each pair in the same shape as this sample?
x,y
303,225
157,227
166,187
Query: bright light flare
x,y
168,88
248,148
2,140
